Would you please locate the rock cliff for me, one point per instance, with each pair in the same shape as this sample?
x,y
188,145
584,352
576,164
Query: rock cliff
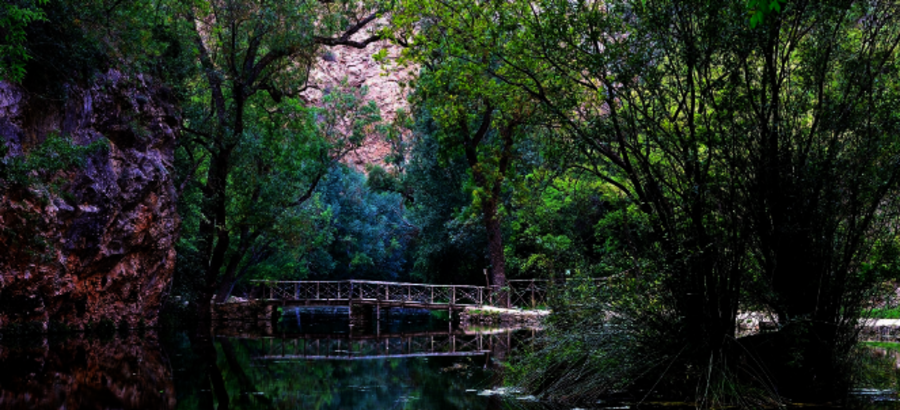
x,y
101,248
385,84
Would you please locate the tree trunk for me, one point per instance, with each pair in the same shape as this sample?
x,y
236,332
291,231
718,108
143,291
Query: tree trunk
x,y
227,283
216,236
495,249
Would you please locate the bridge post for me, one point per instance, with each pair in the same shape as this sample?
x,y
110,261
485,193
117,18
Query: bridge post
x,y
532,294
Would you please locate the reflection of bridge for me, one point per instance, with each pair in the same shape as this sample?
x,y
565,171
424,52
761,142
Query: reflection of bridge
x,y
528,293
332,346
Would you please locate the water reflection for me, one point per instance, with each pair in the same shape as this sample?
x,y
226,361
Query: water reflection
x,y
310,360
123,372
316,361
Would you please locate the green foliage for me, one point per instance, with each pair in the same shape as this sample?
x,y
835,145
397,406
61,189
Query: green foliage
x,y
30,181
449,247
876,366
370,232
41,165
14,18
756,164
75,39
570,222
759,9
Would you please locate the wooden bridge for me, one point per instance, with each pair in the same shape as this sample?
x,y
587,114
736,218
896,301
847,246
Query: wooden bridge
x,y
384,346
527,293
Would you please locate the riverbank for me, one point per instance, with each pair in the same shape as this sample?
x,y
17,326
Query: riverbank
x,y
489,315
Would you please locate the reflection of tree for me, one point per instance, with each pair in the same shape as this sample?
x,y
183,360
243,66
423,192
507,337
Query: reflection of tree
x,y
245,383
211,377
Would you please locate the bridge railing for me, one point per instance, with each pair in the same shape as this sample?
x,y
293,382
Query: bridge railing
x,y
519,293
363,290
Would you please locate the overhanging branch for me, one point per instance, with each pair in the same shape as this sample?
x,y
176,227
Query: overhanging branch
x,y
344,39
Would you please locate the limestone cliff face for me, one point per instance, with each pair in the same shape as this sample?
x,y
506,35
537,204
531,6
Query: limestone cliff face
x,y
103,248
359,69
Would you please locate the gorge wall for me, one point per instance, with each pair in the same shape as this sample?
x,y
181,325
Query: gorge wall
x,y
384,82
101,246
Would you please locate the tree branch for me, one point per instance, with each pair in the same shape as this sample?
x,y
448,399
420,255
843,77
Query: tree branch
x,y
344,39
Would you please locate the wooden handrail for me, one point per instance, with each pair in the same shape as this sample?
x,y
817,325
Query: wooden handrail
x,y
519,292
367,282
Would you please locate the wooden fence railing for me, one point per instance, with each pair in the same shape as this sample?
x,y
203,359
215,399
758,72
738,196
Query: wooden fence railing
x,y
519,293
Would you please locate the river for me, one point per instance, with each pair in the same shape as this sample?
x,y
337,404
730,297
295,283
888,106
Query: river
x,y
311,359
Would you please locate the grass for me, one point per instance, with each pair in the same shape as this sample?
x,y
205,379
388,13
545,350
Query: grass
x,y
886,313
894,346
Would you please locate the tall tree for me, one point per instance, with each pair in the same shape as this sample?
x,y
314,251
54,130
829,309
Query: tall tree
x,y
477,118
243,49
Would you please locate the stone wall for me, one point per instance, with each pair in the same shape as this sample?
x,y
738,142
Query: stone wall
x,y
102,248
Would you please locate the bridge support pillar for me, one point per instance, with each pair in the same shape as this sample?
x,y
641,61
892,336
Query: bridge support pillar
x,y
362,314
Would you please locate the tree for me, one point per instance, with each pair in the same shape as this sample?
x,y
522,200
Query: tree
x,y
244,49
449,246
764,160
371,233
476,116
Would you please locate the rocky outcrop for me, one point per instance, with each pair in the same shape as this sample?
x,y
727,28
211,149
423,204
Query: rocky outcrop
x,y
384,82
101,246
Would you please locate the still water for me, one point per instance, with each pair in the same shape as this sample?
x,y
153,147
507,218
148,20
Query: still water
x,y
309,360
